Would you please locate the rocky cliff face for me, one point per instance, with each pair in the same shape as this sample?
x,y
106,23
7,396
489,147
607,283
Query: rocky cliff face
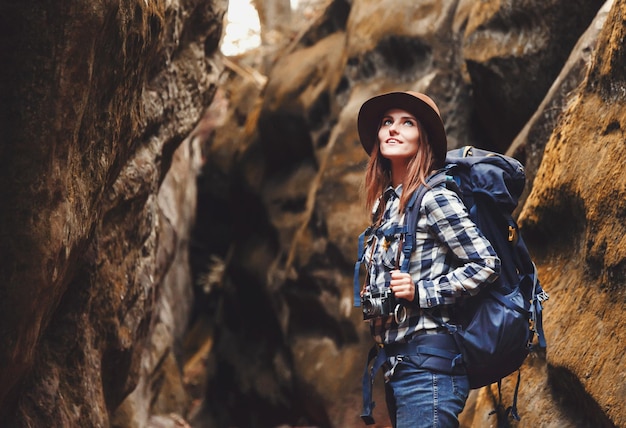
x,y
98,167
98,195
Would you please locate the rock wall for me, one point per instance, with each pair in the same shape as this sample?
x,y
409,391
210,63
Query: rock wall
x,y
97,185
510,76
575,212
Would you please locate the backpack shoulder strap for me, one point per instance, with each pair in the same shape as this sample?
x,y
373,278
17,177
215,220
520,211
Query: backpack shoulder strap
x,y
412,211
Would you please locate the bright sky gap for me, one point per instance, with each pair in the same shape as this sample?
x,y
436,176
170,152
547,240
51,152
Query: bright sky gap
x,y
243,30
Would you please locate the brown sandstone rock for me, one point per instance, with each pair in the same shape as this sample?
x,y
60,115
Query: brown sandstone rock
x,y
95,221
529,144
513,52
574,216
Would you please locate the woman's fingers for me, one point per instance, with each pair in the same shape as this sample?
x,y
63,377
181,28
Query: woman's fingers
x,y
402,285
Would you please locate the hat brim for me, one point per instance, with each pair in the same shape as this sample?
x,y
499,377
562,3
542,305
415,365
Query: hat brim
x,y
372,111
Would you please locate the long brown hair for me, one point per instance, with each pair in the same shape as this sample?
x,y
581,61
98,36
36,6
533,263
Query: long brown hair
x,y
378,172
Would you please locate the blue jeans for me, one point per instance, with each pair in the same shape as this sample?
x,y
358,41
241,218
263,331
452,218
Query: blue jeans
x,y
420,398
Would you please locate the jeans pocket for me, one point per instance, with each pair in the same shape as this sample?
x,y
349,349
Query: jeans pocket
x,y
460,386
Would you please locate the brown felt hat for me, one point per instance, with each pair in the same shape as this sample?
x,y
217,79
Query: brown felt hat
x,y
421,106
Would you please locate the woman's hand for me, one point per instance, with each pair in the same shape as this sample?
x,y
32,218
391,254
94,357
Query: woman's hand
x,y
402,285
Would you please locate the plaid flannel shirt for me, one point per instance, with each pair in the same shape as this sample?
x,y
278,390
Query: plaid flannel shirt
x,y
452,259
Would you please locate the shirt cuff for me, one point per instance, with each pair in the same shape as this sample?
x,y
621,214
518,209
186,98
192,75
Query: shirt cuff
x,y
431,294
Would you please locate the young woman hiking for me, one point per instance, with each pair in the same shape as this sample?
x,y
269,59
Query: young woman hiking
x,y
404,136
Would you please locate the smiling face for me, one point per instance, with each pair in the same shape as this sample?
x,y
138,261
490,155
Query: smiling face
x,y
399,136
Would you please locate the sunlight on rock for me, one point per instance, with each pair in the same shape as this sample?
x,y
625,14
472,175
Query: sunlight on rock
x,y
243,29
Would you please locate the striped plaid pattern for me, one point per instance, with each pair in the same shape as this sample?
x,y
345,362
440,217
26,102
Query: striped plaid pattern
x,y
452,259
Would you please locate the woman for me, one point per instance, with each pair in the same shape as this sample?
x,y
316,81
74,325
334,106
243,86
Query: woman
x,y
404,136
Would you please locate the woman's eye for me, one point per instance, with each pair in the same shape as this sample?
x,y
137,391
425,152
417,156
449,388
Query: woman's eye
x,y
409,122
387,122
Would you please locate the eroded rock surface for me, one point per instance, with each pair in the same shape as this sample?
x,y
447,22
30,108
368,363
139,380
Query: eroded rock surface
x,y
98,196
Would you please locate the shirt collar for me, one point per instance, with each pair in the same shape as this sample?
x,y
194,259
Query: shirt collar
x,y
389,191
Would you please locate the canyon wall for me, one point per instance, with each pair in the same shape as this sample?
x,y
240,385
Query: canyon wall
x,y
98,196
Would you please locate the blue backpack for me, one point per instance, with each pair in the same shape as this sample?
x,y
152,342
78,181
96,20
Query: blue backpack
x,y
495,329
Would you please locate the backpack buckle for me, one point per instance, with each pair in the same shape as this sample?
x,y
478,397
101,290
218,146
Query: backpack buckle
x,y
512,234
543,296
